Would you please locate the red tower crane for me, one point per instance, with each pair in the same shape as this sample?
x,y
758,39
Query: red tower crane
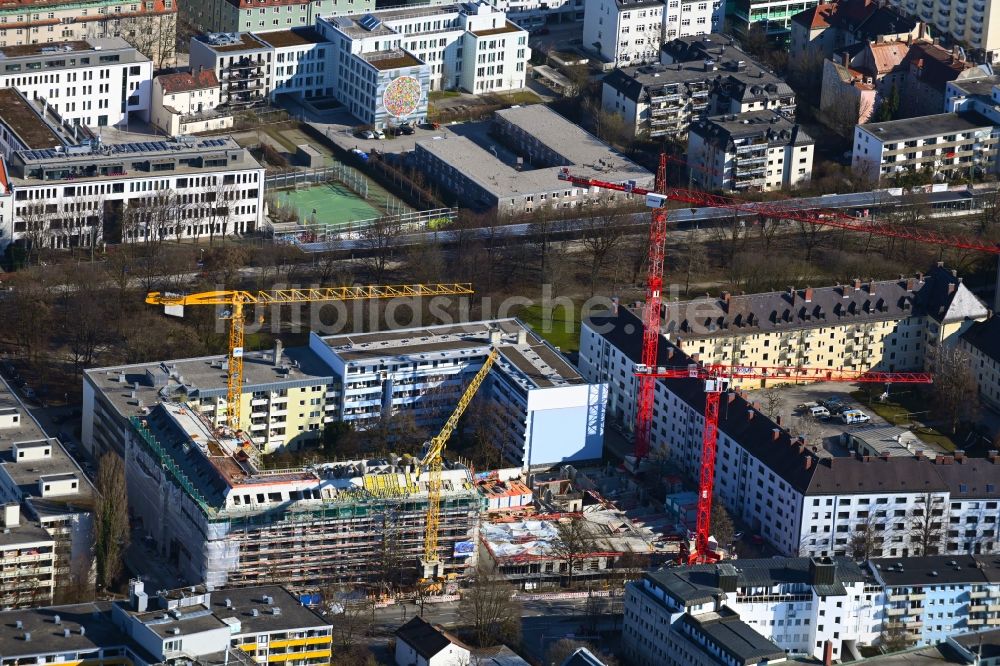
x,y
717,378
657,199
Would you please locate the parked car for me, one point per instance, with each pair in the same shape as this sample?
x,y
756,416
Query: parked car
x,y
365,134
854,416
819,411
379,134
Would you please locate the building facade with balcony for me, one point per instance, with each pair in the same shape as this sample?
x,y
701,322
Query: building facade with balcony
x,y
805,606
631,32
753,151
695,79
947,145
795,495
974,24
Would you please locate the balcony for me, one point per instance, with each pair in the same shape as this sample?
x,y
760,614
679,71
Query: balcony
x,y
975,622
919,596
750,147
895,612
978,594
892,597
977,608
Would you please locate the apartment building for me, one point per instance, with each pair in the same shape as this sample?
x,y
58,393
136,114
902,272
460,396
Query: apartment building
x,y
754,151
974,90
891,325
546,413
150,25
796,495
248,625
925,600
518,171
773,18
812,607
951,146
188,103
128,192
233,523
534,14
865,76
631,32
47,509
665,98
262,16
825,30
982,343
94,82
975,24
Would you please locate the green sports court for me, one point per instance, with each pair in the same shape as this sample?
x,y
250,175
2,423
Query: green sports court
x,y
334,203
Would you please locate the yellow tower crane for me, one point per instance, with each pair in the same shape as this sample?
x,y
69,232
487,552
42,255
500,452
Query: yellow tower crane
x,y
236,301
431,462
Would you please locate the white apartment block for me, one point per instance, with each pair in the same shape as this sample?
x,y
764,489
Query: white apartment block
x,y
974,90
981,342
806,606
74,195
797,496
469,46
95,82
254,67
757,150
972,23
534,14
948,145
547,413
188,103
631,32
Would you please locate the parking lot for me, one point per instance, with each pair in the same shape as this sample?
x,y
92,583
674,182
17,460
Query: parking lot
x,y
828,431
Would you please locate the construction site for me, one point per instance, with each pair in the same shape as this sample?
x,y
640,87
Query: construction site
x,y
223,521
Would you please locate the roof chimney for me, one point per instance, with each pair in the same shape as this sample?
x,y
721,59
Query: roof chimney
x,y
808,462
960,457
775,434
951,287
871,287
749,415
809,294
278,348
992,456
614,306
845,59
857,284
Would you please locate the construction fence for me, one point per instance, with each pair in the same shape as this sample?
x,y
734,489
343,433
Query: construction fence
x,y
325,237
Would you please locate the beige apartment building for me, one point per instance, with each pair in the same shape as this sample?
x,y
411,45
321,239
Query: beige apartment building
x,y
890,325
149,25
975,24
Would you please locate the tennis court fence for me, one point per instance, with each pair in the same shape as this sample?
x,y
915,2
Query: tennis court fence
x,y
319,237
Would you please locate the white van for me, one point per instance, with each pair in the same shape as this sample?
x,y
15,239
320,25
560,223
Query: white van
x,y
854,416
819,411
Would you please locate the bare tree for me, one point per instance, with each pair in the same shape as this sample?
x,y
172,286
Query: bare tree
x,y
721,523
601,235
352,618
770,400
866,540
379,239
217,208
35,221
926,522
111,519
489,606
955,389
574,544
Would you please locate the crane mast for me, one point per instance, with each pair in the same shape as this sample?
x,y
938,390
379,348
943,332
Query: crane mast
x,y
432,462
236,301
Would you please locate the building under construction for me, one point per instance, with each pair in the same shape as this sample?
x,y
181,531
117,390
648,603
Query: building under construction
x,y
222,521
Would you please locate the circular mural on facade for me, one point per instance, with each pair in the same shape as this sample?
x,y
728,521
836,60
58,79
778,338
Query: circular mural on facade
x,y
402,96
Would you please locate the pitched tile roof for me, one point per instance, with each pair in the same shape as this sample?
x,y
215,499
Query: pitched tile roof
x,y
425,638
184,81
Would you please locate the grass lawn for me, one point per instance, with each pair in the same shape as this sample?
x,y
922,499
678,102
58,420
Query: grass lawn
x,y
522,97
561,328
435,95
897,413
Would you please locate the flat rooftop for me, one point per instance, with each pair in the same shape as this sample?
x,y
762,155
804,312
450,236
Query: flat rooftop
x,y
73,49
770,124
472,152
352,25
526,356
927,126
26,474
20,116
293,37
539,538
230,42
204,377
47,637
385,60
507,28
